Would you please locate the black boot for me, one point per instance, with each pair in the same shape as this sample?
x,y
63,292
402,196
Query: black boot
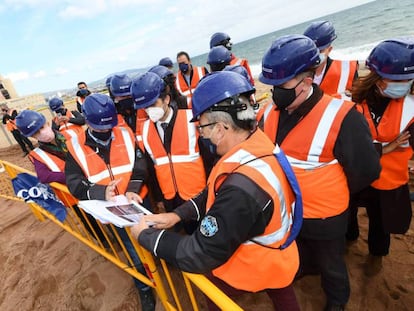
x,y
147,299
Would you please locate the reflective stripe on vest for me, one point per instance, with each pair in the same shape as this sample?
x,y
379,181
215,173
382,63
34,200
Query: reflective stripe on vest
x,y
46,158
339,78
254,159
181,83
397,117
319,138
117,170
182,170
244,157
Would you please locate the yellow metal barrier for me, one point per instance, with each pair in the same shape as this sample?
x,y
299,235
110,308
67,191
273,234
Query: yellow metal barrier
x,y
113,248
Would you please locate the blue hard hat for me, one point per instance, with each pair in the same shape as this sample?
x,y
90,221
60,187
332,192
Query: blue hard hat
x,y
219,38
120,85
239,69
108,82
146,88
55,103
393,59
100,112
218,55
166,61
215,88
161,71
29,122
322,33
288,56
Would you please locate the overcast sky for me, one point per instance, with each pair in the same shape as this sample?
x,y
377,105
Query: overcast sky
x,y
52,44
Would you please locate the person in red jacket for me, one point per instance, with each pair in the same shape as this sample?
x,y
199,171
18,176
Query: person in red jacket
x,y
384,98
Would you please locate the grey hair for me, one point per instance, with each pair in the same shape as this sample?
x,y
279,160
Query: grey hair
x,y
244,115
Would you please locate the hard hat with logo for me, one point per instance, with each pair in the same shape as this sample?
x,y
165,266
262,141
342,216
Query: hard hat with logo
x,y
288,56
161,71
146,89
322,33
219,38
166,62
55,103
100,112
239,69
217,87
218,55
393,59
29,122
120,85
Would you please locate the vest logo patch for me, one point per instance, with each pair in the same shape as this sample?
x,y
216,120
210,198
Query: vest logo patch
x,y
208,226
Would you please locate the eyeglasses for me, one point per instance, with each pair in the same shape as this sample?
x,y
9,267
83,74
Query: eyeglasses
x,y
200,126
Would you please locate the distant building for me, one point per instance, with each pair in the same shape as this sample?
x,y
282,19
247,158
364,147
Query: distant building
x,y
7,90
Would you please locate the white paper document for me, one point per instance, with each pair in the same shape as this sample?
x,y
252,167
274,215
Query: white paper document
x,y
120,212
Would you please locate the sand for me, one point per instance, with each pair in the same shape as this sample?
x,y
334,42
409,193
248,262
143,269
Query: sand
x,y
45,268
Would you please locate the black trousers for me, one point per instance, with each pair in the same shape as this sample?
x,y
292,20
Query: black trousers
x,y
22,141
326,257
389,211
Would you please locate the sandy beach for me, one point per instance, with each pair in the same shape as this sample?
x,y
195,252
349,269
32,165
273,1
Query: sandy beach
x,y
45,268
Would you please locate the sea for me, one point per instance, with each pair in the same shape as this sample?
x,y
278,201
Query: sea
x,y
358,29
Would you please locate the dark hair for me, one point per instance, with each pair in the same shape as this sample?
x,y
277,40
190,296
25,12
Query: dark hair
x,y
79,83
183,53
364,88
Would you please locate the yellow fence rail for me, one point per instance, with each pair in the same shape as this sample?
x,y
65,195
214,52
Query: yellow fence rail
x,y
108,243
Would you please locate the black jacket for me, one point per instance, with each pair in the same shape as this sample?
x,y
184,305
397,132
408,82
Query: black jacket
x,y
83,189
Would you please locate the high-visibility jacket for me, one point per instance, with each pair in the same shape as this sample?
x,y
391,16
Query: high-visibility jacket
x,y
309,148
255,267
339,77
10,124
68,129
54,163
397,117
181,83
242,62
182,170
122,158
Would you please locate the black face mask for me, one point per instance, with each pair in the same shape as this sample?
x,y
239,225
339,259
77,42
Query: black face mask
x,y
62,111
284,97
125,105
184,67
209,145
104,136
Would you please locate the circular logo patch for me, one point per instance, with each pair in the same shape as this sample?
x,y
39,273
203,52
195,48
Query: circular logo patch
x,y
208,226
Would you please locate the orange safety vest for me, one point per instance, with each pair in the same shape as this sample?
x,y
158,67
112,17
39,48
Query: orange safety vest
x,y
339,78
397,117
309,149
122,158
10,125
182,170
68,129
181,83
242,62
254,267
55,164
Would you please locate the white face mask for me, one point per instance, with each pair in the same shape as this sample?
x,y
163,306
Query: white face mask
x,y
45,135
155,113
397,89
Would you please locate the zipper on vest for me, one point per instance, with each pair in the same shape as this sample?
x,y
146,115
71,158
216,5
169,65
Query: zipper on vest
x,y
172,172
